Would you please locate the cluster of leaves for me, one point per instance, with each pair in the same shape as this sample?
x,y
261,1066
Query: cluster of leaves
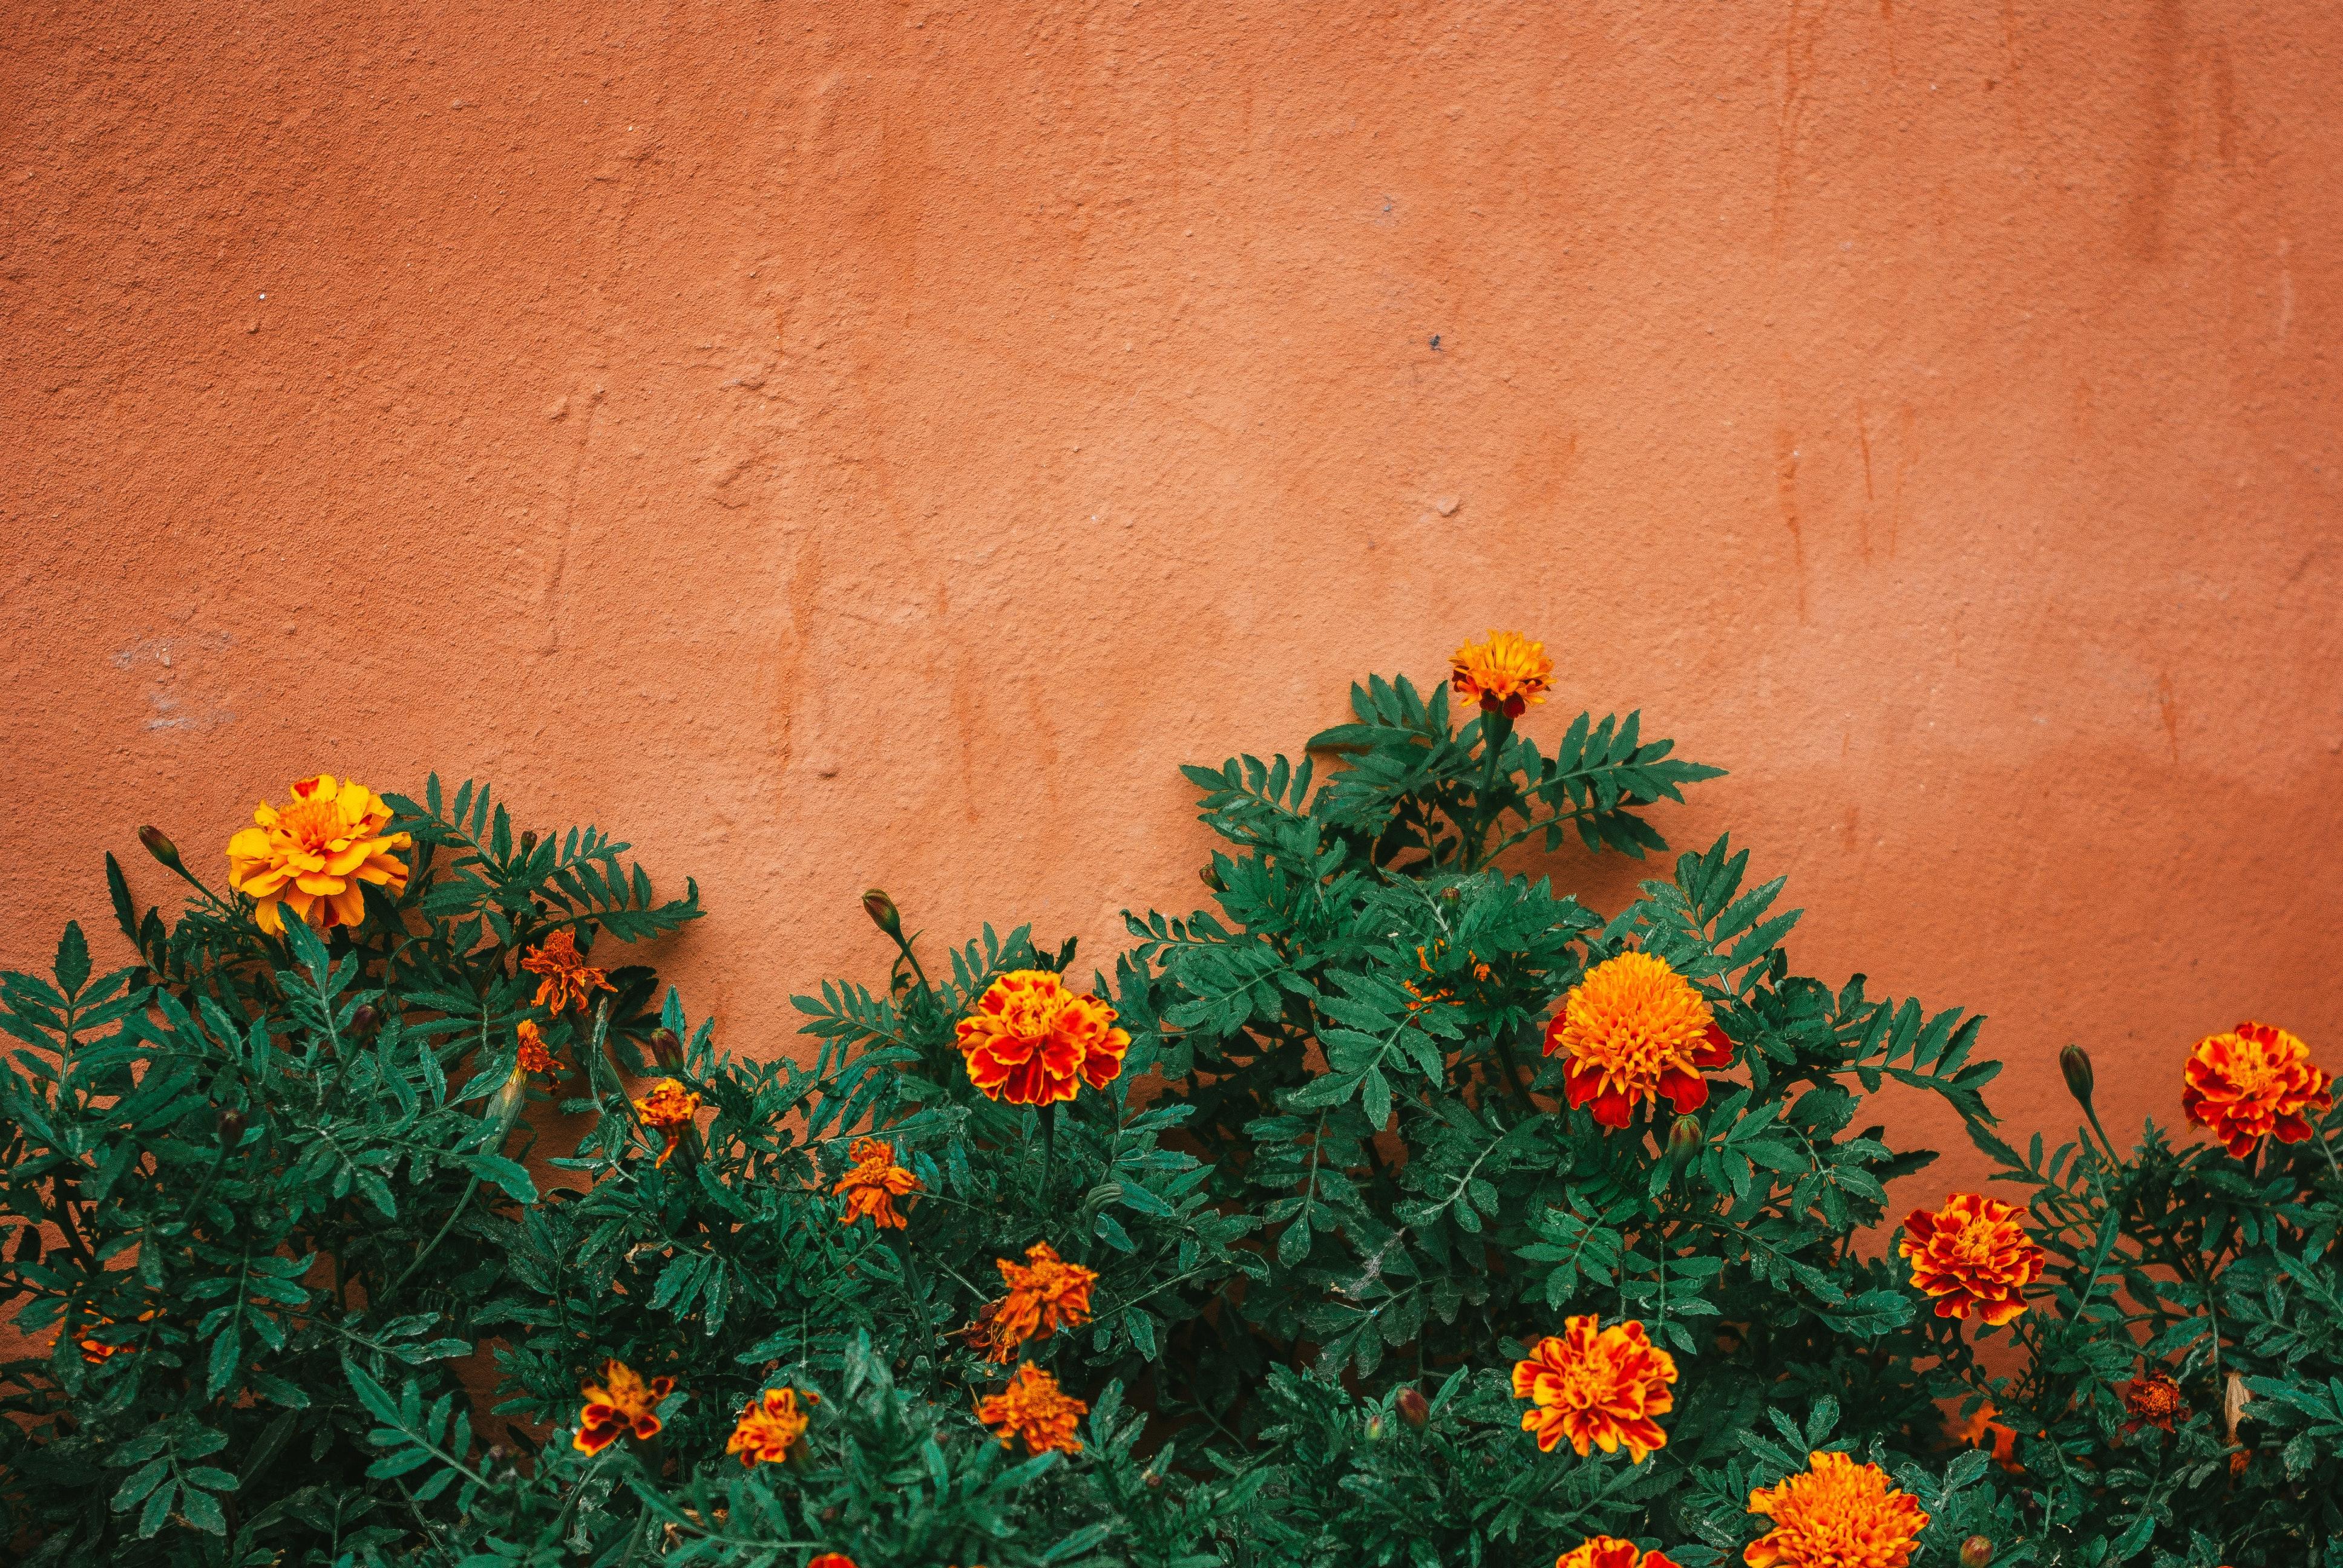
x,y
324,1298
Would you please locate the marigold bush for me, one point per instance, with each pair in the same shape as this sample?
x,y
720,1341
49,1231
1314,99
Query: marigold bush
x,y
1394,1209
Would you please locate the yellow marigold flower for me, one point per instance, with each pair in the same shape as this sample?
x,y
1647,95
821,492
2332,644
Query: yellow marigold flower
x,y
1635,1030
534,1057
1596,1387
315,853
568,980
2251,1083
1031,1041
769,1423
1974,1253
871,1188
1836,1515
668,1109
1611,1552
2152,1400
1045,1295
622,1403
1034,1408
1506,672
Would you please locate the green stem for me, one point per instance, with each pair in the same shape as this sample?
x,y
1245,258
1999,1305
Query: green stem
x,y
433,1245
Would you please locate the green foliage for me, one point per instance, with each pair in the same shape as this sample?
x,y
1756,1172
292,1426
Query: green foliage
x,y
326,1295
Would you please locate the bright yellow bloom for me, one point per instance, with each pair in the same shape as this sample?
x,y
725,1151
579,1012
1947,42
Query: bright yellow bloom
x,y
1611,1552
534,1057
1032,1041
1635,1030
568,980
1034,1408
1045,1295
1599,1388
2251,1083
772,1422
871,1188
668,1109
1974,1253
1507,671
1836,1515
622,1403
315,853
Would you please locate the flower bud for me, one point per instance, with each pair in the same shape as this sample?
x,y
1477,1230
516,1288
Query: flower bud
x,y
667,1048
1685,1136
1975,1552
528,843
231,1127
363,1021
882,912
1375,1427
1211,877
2075,1064
504,1106
161,848
1413,1408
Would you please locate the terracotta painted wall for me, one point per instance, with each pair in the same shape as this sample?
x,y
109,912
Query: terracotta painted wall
x,y
851,443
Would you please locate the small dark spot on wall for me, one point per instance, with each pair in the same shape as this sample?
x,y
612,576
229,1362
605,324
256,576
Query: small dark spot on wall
x,y
1435,343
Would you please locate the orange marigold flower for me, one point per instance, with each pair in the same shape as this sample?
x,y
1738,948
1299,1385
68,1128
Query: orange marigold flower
x,y
668,1109
534,1057
874,1184
567,979
1611,1552
1972,1253
832,1560
1506,671
1836,1514
2252,1082
2152,1400
1030,1041
1045,1295
622,1403
1596,1387
1034,1408
314,854
767,1425
1635,1030
1983,1431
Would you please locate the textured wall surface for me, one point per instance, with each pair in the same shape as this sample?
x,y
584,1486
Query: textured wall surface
x,y
836,444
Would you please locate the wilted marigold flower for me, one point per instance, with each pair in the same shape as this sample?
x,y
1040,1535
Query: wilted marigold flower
x,y
315,853
534,1057
1836,1515
769,1423
622,1403
1595,1387
1045,1294
668,1109
1506,672
1611,1552
2251,1083
874,1184
1031,1041
2152,1400
1972,1253
1034,1408
567,979
1635,1030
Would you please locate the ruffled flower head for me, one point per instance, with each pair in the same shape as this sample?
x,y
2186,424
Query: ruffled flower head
x,y
620,1404
1836,1514
565,978
2152,1400
872,1185
1972,1254
1633,1030
668,1110
766,1427
2251,1083
1031,1041
1034,1408
1506,673
1611,1552
1045,1294
315,853
534,1057
1596,1387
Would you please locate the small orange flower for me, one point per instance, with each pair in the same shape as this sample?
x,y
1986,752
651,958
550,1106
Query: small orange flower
x,y
534,1057
316,854
1635,1030
874,1184
1611,1552
1045,1295
94,1350
1983,1431
1506,672
832,1560
1596,1387
1034,1408
770,1423
1972,1253
1030,1041
2252,1084
622,1403
567,979
2152,1400
1836,1514
668,1109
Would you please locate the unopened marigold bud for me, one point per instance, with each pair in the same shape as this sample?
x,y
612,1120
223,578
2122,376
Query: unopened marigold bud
x,y
231,1127
160,846
1685,1136
883,912
1211,877
1975,1552
363,1021
2075,1064
528,843
1413,1408
666,1047
1375,1427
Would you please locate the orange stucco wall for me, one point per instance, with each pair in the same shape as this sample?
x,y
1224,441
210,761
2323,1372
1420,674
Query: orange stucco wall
x,y
877,442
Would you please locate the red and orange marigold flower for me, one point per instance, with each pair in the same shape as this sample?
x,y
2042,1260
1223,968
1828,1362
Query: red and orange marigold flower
x,y
1600,1388
1972,1254
1031,1041
871,1186
1836,1514
2152,1400
767,1426
1611,1552
1633,1030
565,978
668,1110
1035,1408
2251,1083
533,1057
620,1404
315,853
1046,1294
1505,672
830,1560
